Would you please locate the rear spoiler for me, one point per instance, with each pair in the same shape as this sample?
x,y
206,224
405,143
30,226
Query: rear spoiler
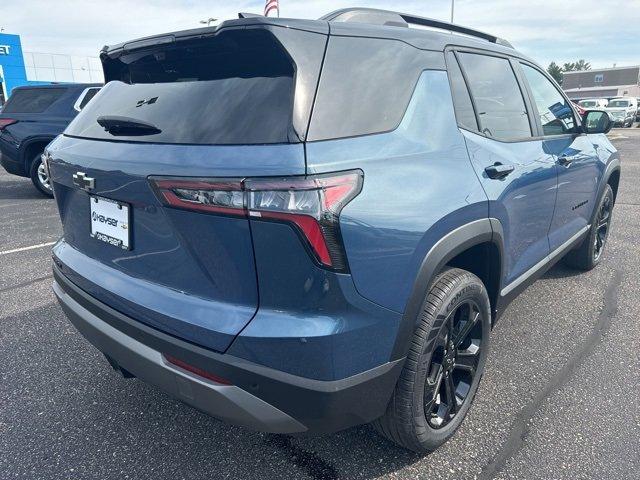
x,y
243,20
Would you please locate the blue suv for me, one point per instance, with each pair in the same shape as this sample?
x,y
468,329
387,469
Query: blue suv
x,y
299,226
31,118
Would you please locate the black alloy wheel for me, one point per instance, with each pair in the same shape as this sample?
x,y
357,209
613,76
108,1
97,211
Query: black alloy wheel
x,y
603,218
444,364
453,365
589,253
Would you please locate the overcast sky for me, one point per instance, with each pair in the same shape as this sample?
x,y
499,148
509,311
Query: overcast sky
x,y
602,32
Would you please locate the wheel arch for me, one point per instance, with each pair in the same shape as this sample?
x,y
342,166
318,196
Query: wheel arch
x,y
611,176
458,248
31,147
614,181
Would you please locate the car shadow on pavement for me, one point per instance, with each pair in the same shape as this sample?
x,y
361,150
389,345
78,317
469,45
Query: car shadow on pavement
x,y
368,455
560,270
358,452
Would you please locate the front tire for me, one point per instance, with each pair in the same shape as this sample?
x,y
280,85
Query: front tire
x,y
589,253
40,176
444,365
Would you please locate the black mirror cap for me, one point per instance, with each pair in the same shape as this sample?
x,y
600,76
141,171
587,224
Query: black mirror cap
x,y
596,121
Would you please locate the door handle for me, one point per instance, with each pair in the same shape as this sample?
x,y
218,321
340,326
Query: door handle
x,y
565,160
498,170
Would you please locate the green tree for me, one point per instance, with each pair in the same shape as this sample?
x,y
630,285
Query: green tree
x,y
578,66
555,71
582,65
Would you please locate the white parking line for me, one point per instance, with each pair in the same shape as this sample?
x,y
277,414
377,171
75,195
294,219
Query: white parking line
x,y
11,205
24,249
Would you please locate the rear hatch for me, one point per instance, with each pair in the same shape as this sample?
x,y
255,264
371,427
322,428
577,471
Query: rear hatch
x,y
221,103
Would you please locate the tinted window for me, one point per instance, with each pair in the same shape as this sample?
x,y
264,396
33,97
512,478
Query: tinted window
x,y
365,86
501,109
88,96
618,103
32,100
461,99
556,114
234,88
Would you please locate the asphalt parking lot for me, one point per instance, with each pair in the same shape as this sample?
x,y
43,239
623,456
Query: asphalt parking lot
x,y
560,397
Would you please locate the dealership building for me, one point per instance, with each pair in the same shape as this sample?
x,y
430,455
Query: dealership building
x,y
602,83
19,68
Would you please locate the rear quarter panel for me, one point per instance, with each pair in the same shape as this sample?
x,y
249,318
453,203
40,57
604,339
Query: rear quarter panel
x,y
418,186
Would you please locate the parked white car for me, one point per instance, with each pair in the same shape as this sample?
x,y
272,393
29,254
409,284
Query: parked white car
x,y
623,111
593,103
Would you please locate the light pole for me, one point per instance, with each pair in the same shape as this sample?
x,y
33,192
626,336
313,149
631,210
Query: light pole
x,y
208,21
452,2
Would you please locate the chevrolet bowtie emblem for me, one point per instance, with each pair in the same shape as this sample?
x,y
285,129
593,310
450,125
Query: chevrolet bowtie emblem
x,y
81,180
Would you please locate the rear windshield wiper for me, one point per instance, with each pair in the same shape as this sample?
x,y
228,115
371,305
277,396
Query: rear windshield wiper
x,y
127,126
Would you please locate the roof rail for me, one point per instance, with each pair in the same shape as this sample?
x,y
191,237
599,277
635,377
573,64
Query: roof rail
x,y
376,16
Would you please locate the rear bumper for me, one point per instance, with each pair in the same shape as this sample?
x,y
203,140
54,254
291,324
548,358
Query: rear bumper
x,y
259,398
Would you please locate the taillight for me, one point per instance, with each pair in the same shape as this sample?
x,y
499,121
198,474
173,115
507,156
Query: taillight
x,y
5,122
215,196
311,204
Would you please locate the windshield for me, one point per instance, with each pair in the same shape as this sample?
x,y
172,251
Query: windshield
x,y
588,103
619,103
234,88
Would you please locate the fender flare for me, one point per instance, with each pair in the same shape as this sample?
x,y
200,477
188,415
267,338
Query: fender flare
x,y
612,166
453,243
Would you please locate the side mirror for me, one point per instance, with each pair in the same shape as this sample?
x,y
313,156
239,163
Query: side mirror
x,y
596,121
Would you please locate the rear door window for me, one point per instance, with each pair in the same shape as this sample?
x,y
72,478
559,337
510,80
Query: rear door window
x,y
234,88
462,104
501,108
555,112
32,100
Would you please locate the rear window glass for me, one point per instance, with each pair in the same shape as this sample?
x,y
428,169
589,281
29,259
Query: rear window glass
x,y
234,88
32,100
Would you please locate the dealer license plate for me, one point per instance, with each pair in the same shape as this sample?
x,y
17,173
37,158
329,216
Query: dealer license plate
x,y
110,222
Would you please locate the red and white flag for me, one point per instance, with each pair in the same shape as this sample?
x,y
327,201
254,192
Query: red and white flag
x,y
270,6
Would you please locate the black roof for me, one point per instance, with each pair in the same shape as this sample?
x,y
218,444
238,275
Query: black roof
x,y
361,22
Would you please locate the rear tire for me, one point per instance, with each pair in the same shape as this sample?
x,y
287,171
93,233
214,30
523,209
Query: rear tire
x,y
40,177
589,253
444,365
